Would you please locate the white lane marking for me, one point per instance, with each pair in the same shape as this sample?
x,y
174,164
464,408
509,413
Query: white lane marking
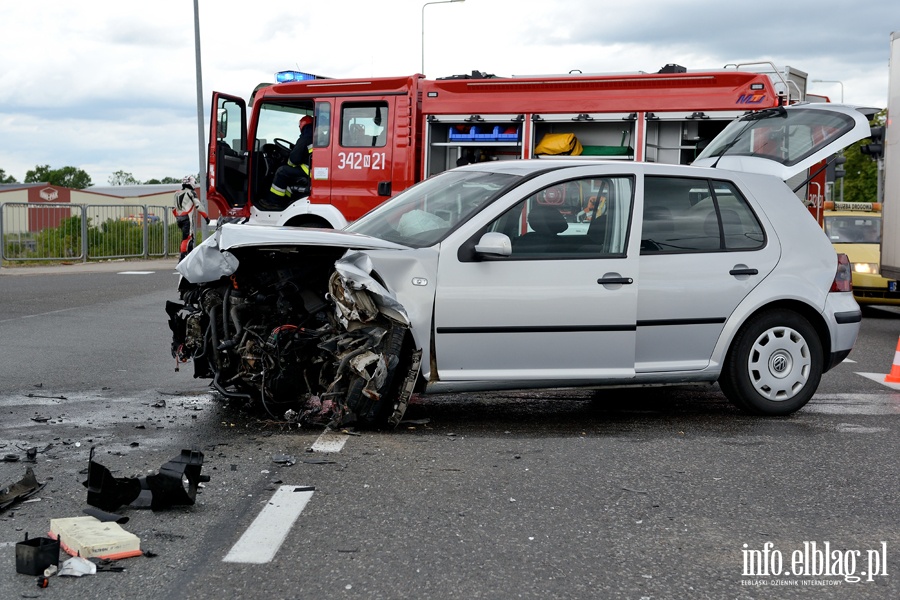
x,y
267,532
879,377
135,273
849,360
855,428
887,403
52,312
330,441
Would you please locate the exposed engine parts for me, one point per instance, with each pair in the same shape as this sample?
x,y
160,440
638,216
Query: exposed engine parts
x,y
297,337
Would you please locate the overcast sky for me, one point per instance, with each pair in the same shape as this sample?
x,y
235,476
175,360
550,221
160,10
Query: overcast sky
x,y
107,86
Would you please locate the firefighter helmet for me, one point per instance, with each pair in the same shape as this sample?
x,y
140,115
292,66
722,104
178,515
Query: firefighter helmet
x,y
305,120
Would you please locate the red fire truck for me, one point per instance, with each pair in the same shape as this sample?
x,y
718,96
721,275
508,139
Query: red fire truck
x,y
375,137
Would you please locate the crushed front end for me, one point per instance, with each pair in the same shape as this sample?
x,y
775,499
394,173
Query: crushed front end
x,y
285,327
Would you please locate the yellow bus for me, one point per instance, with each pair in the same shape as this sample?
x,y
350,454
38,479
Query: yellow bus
x,y
854,228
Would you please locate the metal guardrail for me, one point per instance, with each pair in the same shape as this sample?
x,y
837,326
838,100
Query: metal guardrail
x,y
48,231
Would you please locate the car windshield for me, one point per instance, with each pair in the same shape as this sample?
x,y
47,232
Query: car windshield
x,y
422,215
770,134
853,229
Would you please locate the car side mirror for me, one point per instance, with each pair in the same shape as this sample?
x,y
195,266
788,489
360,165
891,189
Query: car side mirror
x,y
495,243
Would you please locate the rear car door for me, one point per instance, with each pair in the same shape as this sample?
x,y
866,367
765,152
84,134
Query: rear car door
x,y
703,250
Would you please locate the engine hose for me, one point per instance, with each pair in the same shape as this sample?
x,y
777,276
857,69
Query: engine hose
x,y
227,394
262,395
225,302
213,333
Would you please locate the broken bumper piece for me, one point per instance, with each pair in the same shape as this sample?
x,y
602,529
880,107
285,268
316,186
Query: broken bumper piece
x,y
20,490
160,491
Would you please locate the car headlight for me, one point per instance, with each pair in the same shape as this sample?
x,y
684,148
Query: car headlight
x,y
868,268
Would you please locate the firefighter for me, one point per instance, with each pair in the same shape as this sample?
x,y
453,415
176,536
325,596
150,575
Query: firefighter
x,y
296,171
185,203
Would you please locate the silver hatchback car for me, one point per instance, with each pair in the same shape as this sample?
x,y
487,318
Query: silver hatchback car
x,y
539,274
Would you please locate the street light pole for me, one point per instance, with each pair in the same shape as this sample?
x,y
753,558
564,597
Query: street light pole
x,y
423,26
841,83
200,137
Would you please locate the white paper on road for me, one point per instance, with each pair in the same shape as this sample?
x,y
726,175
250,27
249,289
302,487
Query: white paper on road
x,y
267,532
330,441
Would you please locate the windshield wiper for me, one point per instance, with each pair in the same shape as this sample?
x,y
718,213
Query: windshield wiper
x,y
768,113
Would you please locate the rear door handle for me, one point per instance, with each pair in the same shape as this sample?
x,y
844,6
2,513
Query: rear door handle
x,y
743,271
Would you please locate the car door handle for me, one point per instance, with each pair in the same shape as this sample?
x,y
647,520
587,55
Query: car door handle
x,y
611,280
743,271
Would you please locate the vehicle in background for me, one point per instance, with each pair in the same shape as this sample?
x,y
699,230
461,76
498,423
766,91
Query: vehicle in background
x,y
138,219
885,148
374,138
854,229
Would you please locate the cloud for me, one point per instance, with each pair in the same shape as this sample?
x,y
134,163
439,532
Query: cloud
x,y
111,86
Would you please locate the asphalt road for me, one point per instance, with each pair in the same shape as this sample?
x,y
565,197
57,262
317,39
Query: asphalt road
x,y
657,493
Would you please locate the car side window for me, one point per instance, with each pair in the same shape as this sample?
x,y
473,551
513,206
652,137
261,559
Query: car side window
x,y
585,217
696,215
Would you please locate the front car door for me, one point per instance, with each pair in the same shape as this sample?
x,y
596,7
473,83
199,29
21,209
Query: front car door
x,y
561,307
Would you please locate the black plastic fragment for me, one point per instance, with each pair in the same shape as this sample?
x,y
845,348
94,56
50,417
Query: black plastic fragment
x,y
162,490
104,516
20,490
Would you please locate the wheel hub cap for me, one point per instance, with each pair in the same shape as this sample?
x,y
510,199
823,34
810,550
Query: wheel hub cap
x,y
780,364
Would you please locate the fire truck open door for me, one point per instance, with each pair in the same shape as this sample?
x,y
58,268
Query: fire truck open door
x,y
227,152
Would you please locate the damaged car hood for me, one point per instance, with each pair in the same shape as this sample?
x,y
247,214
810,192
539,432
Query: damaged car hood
x,y
213,258
240,236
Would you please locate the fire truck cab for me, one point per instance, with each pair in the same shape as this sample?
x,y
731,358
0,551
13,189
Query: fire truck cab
x,y
375,137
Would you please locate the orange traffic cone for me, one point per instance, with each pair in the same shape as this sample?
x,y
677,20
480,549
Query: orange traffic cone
x,y
894,375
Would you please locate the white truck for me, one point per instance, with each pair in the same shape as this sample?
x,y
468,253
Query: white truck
x,y
890,244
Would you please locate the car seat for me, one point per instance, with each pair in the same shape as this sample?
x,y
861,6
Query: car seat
x,y
546,222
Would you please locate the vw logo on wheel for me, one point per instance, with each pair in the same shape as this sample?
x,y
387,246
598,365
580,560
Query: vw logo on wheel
x,y
780,364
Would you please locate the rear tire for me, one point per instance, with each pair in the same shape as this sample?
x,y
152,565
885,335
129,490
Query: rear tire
x,y
774,364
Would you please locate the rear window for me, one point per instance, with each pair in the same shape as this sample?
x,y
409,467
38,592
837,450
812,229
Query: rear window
x,y
769,134
696,215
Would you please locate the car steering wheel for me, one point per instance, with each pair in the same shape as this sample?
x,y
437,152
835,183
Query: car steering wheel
x,y
284,144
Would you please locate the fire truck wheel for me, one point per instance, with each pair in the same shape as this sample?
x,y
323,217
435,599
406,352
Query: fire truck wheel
x,y
308,221
774,364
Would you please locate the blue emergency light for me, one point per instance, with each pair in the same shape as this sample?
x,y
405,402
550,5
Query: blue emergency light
x,y
285,76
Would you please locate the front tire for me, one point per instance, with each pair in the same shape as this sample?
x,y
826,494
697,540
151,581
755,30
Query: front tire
x,y
774,364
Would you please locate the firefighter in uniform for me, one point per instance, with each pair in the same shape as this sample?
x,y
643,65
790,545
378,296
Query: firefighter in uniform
x,y
185,203
296,171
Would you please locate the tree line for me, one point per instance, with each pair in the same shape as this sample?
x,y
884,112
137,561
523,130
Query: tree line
x,y
78,179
